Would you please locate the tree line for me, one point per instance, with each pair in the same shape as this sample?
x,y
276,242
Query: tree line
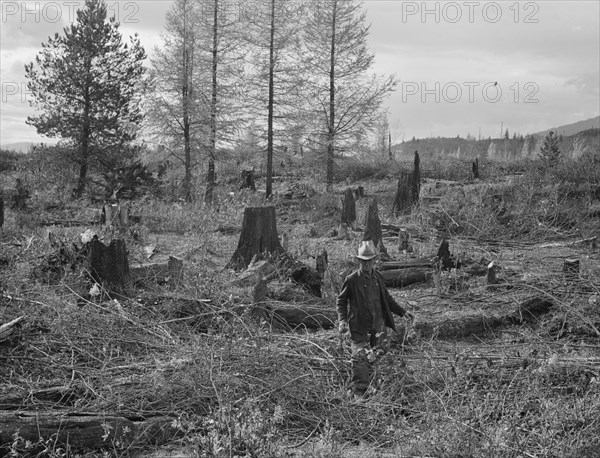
x,y
291,74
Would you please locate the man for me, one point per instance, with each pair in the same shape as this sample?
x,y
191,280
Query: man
x,y
364,308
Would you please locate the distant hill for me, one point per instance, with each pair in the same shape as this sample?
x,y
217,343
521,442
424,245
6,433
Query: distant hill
x,y
20,147
572,129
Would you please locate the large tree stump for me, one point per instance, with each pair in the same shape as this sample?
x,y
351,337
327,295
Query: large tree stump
x,y
403,200
373,229
348,208
109,265
258,237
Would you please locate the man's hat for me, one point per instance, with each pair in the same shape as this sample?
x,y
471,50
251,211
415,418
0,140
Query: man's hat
x,y
367,250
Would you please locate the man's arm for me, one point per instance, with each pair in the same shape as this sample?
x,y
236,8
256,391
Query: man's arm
x,y
342,301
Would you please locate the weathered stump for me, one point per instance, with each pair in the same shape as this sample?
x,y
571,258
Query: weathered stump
x,y
403,240
373,228
348,208
321,263
248,180
109,265
20,196
403,198
475,168
259,236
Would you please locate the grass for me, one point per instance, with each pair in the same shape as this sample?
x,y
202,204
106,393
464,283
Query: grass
x,y
238,386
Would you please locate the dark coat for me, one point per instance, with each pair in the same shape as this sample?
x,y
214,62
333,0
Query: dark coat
x,y
354,294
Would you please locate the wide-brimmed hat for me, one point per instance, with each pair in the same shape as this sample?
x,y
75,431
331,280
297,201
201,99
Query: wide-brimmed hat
x,y
367,250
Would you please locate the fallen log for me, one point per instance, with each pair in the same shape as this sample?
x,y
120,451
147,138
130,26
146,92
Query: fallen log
x,y
52,396
419,262
85,431
398,278
528,311
312,317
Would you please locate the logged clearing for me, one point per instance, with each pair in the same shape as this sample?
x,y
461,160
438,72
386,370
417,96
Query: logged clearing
x,y
216,363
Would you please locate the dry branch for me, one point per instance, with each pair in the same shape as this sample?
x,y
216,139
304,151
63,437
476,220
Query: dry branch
x,y
8,329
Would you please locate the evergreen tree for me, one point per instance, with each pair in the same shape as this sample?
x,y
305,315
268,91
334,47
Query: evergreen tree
x,y
550,152
344,95
87,84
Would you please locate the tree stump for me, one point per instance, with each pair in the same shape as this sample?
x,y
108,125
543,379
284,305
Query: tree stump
x,y
403,240
348,208
248,180
19,199
373,228
403,200
259,235
321,263
475,169
109,265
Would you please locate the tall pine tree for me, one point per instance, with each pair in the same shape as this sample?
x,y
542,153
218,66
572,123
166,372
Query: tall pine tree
x,y
87,85
345,95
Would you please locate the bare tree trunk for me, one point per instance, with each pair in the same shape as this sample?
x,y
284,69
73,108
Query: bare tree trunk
x,y
259,235
331,122
186,93
210,176
269,187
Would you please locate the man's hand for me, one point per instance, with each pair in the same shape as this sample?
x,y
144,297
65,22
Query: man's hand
x,y
343,327
410,316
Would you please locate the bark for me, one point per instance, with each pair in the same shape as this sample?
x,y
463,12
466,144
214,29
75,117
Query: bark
x,y
1,212
348,208
109,265
258,237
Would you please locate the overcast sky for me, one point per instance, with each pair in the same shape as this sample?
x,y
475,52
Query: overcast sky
x,y
471,67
